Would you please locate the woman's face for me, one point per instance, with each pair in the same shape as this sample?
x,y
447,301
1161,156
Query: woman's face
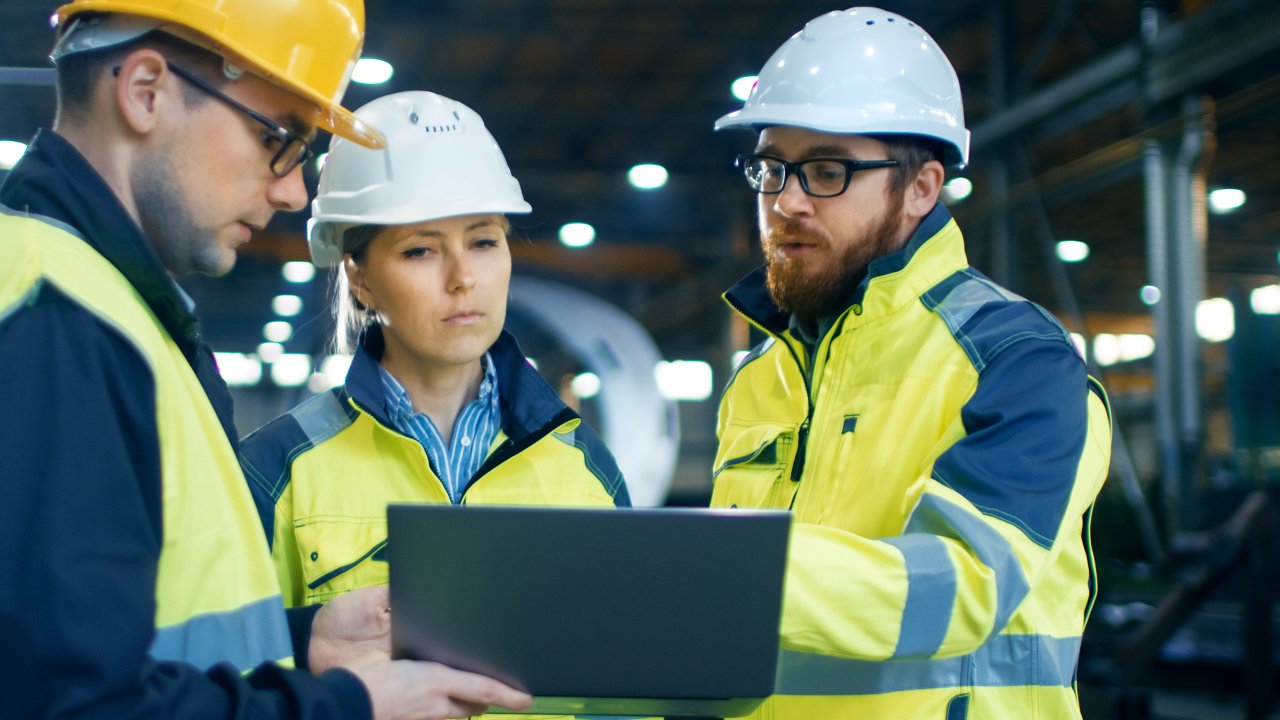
x,y
438,288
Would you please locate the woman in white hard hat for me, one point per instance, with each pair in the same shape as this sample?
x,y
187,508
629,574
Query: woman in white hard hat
x,y
439,404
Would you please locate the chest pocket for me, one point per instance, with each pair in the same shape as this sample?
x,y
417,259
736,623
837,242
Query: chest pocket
x,y
751,469
338,554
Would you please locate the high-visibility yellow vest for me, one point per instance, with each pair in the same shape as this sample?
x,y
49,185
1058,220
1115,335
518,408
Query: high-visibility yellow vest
x,y
216,595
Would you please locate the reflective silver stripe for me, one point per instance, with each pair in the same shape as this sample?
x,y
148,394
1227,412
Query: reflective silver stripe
x,y
931,595
1004,661
321,417
245,637
935,516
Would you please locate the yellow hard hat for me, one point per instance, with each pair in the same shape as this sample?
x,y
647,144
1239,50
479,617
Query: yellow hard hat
x,y
308,48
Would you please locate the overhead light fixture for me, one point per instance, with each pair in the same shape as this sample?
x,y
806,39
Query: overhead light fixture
x,y
1265,300
742,87
286,305
683,379
10,152
1225,200
956,189
298,271
585,385
577,234
372,71
1150,295
1215,319
269,351
291,369
277,331
238,369
647,176
1072,251
332,373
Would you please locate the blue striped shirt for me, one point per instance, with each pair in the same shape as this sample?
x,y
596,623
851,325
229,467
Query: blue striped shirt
x,y
473,431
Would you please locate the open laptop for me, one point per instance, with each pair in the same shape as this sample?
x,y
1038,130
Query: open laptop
x,y
667,612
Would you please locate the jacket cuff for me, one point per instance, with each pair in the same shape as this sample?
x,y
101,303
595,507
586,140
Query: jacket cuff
x,y
300,619
349,692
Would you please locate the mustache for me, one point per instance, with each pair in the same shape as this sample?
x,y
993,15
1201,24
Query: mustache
x,y
789,232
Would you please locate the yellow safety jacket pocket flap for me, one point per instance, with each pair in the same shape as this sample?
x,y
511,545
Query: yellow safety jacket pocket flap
x,y
340,554
750,466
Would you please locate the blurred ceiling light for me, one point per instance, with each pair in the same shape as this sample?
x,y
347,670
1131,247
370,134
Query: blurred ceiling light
x,y
277,331
1265,300
1106,349
742,87
331,373
238,369
291,369
298,271
1150,294
683,379
269,351
335,368
286,305
372,71
585,385
1081,346
1225,200
10,151
577,234
647,176
956,189
1215,319
1072,251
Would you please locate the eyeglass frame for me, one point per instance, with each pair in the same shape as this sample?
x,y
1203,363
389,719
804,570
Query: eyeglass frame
x,y
795,168
286,137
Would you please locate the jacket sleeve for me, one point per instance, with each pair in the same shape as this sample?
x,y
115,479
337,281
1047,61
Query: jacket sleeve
x,y
1011,480
80,528
265,457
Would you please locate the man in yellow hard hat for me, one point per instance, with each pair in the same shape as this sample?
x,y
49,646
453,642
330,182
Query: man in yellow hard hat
x,y
135,580
936,437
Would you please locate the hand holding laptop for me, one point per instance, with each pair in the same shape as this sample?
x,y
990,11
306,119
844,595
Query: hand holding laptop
x,y
414,690
350,626
353,631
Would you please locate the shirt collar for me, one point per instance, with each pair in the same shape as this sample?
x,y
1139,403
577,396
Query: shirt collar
x,y
400,408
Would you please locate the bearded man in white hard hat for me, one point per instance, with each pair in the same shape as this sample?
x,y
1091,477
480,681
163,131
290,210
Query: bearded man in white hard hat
x,y
936,436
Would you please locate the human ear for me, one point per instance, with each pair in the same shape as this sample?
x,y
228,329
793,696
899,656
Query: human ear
x,y
140,89
923,192
356,281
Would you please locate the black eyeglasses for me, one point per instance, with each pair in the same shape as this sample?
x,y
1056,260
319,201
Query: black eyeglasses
x,y
819,177
292,149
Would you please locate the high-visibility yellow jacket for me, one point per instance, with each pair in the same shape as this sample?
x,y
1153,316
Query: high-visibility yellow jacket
x,y
941,447
323,473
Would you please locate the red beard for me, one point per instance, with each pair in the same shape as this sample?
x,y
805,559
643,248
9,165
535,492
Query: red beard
x,y
813,289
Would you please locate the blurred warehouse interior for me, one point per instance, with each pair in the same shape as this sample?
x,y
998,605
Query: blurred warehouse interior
x,y
1125,175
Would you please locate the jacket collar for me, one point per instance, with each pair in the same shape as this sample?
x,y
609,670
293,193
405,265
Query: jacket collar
x,y
934,251
526,402
54,181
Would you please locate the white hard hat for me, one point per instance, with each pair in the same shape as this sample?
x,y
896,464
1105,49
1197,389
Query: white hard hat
x,y
440,161
862,71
